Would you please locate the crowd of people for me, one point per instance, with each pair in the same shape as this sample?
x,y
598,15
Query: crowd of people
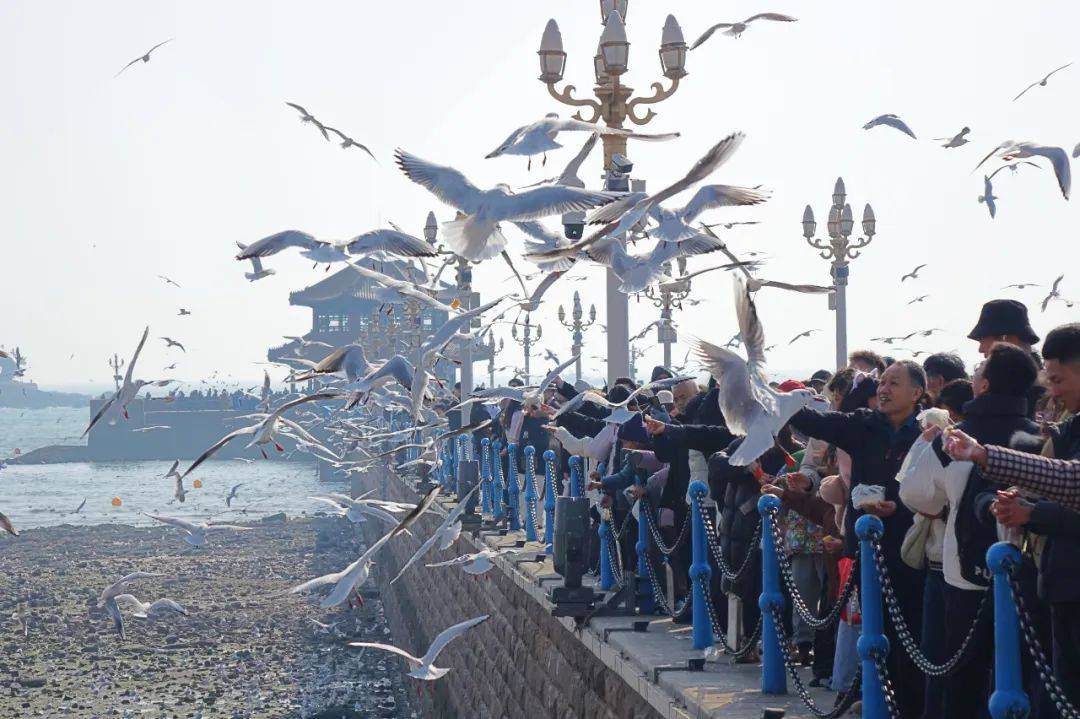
x,y
999,460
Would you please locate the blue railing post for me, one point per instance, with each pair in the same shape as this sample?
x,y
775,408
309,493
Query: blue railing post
x,y
530,493
485,476
872,642
497,483
700,571
646,600
549,500
575,476
513,503
1008,700
773,672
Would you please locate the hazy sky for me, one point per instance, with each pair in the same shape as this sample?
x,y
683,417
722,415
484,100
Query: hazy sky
x,y
109,181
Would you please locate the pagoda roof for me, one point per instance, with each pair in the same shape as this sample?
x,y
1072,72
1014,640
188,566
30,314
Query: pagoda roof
x,y
349,284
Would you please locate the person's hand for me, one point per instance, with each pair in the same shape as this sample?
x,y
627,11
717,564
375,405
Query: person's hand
x,y
798,481
773,489
549,427
1011,509
930,433
964,448
546,410
832,545
636,491
594,474
882,509
594,485
652,426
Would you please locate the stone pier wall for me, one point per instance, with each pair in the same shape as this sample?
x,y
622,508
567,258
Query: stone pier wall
x,y
522,662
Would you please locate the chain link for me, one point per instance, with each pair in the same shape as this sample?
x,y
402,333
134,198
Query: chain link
x,y
1038,656
718,555
843,703
896,616
645,509
750,643
886,686
797,601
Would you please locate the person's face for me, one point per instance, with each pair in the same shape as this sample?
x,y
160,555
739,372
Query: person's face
x,y
1063,381
896,393
979,385
987,343
682,394
934,383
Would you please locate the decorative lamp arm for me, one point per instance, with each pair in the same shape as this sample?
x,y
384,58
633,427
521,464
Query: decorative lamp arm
x,y
566,97
659,94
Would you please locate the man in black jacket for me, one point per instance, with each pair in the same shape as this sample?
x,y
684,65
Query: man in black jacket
x,y
877,441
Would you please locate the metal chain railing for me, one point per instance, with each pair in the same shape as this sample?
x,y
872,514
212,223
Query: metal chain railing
x,y
645,509
886,686
1038,656
749,644
718,555
532,507
797,600
843,703
896,616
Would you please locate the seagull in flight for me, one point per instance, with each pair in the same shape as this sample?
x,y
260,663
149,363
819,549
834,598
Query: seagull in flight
x,y
179,492
750,406
168,281
476,563
108,596
540,137
142,58
1055,293
184,312
736,29
1059,159
890,120
348,579
444,535
424,667
7,526
306,116
920,298
170,342
128,390
232,494
569,175
348,362
1042,82
956,140
1020,286
914,274
799,336
195,534
347,142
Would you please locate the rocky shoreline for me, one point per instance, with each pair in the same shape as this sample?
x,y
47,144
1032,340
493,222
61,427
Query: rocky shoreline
x,y
241,652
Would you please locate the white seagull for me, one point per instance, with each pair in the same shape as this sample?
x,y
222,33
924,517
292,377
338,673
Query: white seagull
x,y
444,535
232,494
1011,150
539,138
750,406
143,610
347,580
257,270
348,362
424,667
1055,293
146,57
890,120
1041,82
956,140
476,234
195,534
735,29
128,390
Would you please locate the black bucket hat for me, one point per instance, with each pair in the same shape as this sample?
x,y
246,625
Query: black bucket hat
x,y
1004,317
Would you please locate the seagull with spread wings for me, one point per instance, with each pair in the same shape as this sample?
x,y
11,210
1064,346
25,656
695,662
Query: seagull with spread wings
x,y
1059,159
892,121
142,58
170,342
1042,82
736,29
306,116
195,534
348,362
424,667
750,406
475,234
956,140
913,275
347,581
799,336
1055,292
347,142
128,390
444,535
539,137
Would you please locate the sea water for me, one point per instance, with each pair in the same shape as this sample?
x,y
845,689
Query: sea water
x,y
45,495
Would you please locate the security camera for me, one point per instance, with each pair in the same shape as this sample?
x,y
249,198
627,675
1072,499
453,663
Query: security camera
x,y
573,225
621,164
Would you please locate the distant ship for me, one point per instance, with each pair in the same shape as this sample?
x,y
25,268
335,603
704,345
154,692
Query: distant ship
x,y
24,394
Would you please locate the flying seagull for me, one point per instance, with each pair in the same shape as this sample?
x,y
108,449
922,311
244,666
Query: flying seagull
x,y
168,281
179,493
146,57
107,598
195,534
1011,150
444,535
475,234
914,274
348,362
424,667
1041,82
306,116
184,312
1055,293
347,580
750,406
1021,286
143,610
7,526
735,29
538,138
257,271
232,494
347,142
988,195
920,298
890,120
170,342
956,140
476,563
799,336
128,390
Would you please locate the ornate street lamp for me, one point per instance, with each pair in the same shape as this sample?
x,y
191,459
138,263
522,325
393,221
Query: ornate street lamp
x,y
840,249
668,296
526,341
578,327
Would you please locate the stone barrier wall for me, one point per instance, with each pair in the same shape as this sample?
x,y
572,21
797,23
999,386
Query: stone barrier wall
x,y
522,662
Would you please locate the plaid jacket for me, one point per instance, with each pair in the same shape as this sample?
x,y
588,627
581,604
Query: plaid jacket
x,y
1053,479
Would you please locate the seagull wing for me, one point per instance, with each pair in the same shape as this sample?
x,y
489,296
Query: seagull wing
x,y
709,33
424,549
553,374
806,289
118,619
155,47
299,109
135,357
218,445
570,172
891,121
413,661
100,413
448,635
1059,159
392,241
508,142
174,521
272,244
710,196
544,286
544,201
769,16
446,183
